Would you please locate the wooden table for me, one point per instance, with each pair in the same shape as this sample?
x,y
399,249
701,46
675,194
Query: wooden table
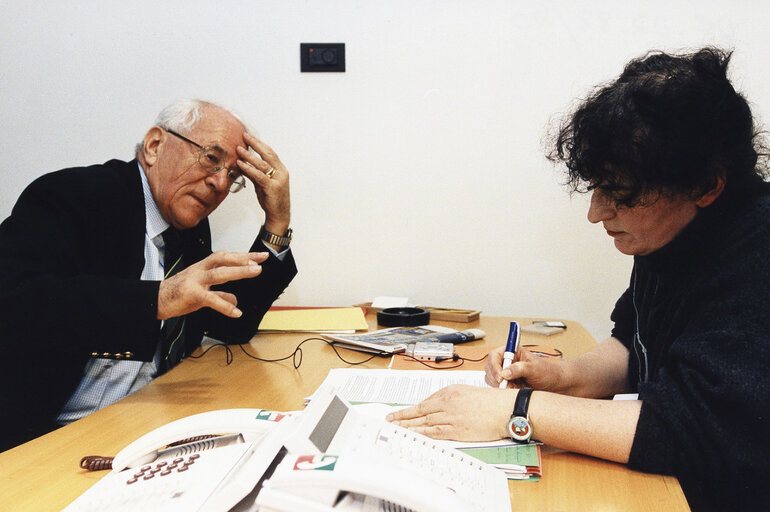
x,y
43,474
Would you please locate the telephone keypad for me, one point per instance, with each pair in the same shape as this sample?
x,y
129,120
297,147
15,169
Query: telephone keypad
x,y
163,468
178,484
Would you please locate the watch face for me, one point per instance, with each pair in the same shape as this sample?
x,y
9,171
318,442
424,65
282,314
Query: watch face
x,y
519,429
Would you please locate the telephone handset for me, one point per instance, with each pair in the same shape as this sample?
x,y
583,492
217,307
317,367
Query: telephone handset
x,y
212,475
250,423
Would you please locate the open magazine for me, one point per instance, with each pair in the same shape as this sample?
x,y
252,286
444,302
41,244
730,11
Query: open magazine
x,y
396,339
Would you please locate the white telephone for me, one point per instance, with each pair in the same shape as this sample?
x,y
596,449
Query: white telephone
x,y
251,423
208,475
327,458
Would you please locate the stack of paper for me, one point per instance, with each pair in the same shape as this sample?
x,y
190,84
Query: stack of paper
x,y
517,461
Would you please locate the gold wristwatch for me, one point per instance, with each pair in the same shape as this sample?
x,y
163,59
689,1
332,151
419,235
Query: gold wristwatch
x,y
271,238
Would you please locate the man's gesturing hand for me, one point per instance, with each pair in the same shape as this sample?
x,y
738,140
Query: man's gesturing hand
x,y
190,289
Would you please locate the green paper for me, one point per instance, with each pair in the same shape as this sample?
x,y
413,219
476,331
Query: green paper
x,y
522,455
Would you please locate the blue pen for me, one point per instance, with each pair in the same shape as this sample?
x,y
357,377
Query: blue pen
x,y
510,349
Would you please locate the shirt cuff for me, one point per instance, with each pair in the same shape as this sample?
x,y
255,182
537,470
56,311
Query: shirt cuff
x,y
280,255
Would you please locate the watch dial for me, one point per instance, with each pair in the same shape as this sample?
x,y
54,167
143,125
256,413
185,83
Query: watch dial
x,y
520,429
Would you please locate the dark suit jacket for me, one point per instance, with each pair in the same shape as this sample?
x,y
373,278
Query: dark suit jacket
x,y
71,255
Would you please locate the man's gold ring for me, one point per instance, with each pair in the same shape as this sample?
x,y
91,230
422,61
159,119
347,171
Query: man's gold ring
x,y
269,173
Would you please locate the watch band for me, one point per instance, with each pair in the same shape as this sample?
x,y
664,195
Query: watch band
x,y
521,405
519,427
272,238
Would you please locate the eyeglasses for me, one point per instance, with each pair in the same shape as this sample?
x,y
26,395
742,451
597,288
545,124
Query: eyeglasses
x,y
212,161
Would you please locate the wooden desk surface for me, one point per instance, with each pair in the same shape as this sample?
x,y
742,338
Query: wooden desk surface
x,y
43,474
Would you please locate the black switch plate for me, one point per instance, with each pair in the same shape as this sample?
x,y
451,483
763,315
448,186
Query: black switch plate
x,y
322,57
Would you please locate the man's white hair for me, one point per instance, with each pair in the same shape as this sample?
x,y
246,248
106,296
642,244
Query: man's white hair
x,y
183,115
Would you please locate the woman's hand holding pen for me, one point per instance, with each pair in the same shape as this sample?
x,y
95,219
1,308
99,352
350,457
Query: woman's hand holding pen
x,y
494,367
527,370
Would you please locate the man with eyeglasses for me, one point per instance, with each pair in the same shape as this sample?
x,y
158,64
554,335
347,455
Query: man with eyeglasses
x,y
110,267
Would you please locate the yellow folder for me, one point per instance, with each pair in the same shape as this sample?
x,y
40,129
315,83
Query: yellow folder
x,y
314,320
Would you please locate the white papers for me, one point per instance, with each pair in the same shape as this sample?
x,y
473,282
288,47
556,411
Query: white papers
x,y
398,387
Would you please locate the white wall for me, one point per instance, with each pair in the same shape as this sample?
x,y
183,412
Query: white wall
x,y
418,172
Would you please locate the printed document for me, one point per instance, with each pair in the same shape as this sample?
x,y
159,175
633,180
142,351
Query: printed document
x,y
395,387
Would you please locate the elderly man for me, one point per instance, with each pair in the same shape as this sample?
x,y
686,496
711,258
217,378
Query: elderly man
x,y
107,278
670,152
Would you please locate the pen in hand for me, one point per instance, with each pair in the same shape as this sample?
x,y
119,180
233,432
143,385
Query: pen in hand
x,y
511,348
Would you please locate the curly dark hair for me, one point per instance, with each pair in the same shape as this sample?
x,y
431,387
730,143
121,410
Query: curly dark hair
x,y
669,125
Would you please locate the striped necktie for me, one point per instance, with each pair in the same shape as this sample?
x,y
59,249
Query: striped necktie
x,y
172,332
